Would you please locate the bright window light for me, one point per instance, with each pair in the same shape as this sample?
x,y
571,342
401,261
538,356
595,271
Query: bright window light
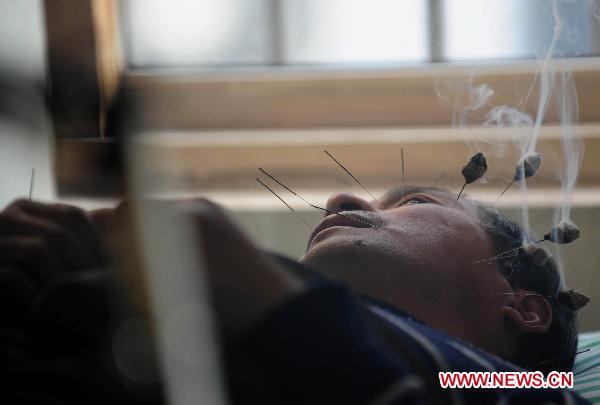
x,y
204,33
483,29
509,29
335,31
196,32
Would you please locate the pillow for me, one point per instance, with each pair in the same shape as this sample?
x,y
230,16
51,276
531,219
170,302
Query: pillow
x,y
586,371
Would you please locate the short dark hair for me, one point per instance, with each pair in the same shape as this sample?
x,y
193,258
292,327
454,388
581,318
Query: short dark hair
x,y
551,351
555,349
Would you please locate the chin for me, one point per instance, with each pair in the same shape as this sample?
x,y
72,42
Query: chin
x,y
334,256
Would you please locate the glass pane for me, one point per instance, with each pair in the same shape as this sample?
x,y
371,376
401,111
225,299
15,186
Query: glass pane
x,y
494,29
23,46
197,32
337,31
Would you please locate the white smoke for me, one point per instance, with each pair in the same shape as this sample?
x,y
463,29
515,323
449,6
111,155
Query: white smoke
x,y
567,108
504,116
472,104
463,97
507,116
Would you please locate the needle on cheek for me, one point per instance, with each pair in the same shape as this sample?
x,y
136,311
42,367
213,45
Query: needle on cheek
x,y
312,205
286,204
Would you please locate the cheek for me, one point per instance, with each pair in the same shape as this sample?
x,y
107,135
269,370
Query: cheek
x,y
431,241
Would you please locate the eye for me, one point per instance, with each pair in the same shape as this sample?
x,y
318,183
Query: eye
x,y
411,200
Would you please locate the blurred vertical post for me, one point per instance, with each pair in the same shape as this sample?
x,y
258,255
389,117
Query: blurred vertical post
x,y
177,292
84,75
84,64
436,39
109,55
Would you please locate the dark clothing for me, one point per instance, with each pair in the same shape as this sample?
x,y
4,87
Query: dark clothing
x,y
62,353
324,346
327,346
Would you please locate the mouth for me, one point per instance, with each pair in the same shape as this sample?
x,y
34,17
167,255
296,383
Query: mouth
x,y
350,219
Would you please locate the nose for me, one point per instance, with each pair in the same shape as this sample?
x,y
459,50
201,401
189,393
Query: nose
x,y
348,202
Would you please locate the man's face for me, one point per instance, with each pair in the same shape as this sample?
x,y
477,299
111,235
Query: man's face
x,y
420,256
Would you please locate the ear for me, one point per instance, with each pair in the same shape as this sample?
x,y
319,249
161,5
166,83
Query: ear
x,y
529,312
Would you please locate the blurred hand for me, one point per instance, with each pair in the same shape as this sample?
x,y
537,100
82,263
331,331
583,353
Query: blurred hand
x,y
42,240
39,241
245,283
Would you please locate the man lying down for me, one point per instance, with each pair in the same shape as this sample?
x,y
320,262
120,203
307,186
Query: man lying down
x,y
370,314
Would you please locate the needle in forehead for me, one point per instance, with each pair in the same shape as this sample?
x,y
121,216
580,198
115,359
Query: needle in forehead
x,y
402,162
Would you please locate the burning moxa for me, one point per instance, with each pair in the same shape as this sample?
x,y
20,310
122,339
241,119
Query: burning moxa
x,y
527,167
473,170
529,250
565,232
572,299
537,255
